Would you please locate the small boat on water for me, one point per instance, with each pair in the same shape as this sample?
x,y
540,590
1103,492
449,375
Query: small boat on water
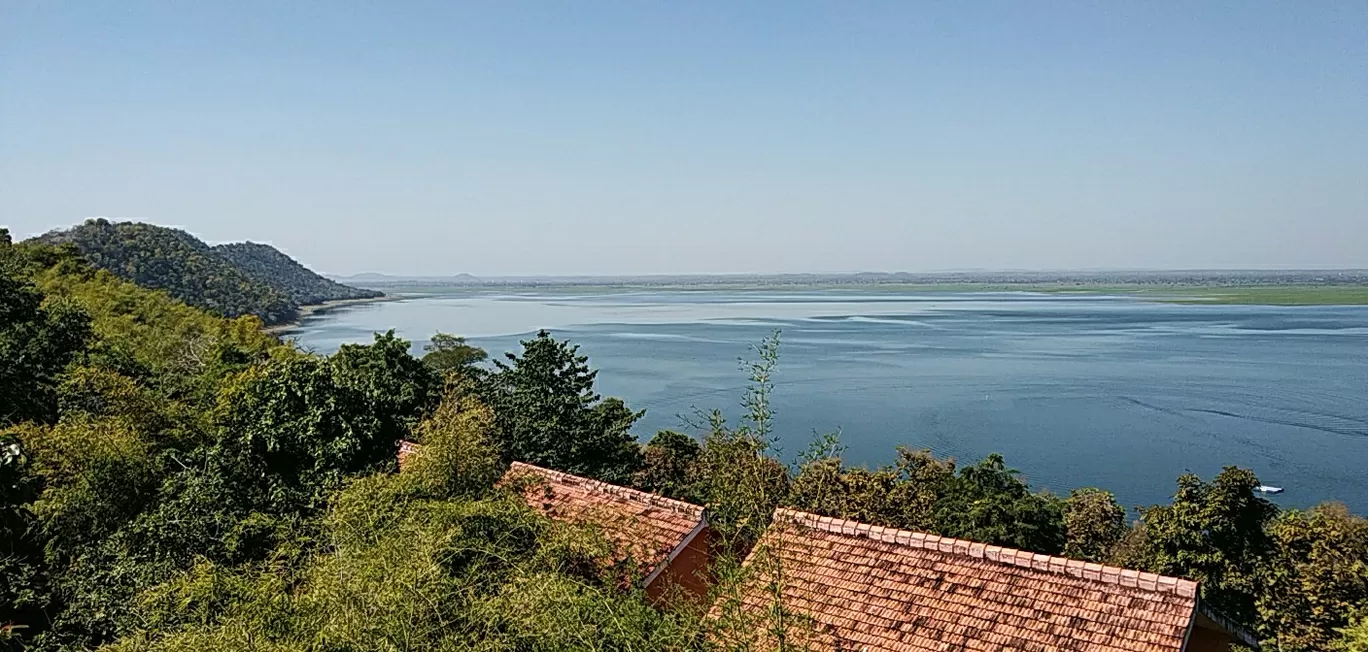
x,y
1265,489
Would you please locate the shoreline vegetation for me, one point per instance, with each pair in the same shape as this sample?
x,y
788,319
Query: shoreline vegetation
x,y
306,312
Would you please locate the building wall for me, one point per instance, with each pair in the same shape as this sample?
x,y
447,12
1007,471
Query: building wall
x,y
686,576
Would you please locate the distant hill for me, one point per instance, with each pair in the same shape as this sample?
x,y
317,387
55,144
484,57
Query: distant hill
x,y
229,280
269,266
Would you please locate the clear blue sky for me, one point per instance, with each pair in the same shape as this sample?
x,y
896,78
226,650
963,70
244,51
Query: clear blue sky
x,y
670,137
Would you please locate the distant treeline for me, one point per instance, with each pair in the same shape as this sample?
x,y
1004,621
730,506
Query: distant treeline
x,y
228,280
175,480
1187,278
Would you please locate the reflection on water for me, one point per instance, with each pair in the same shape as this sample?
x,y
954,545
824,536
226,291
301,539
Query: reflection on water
x,y
1075,391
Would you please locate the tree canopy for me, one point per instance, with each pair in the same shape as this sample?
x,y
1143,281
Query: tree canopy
x,y
548,413
1215,533
449,354
267,265
39,337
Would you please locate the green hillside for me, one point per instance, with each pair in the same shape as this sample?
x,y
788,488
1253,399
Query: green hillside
x,y
267,265
228,280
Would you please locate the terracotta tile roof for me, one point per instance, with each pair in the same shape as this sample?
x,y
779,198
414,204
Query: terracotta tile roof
x,y
861,587
643,526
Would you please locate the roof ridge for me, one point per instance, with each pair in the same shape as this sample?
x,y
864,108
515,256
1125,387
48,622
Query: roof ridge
x,y
618,491
1087,570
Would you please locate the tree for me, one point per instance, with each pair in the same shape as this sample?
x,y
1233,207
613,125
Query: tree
x,y
1316,575
450,354
736,480
1213,533
1094,523
23,593
902,495
167,346
99,474
38,338
548,413
459,456
668,465
310,421
400,389
988,502
402,570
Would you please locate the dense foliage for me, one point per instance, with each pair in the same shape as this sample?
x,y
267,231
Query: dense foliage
x,y
174,480
175,261
548,414
24,590
1318,569
38,339
227,280
267,265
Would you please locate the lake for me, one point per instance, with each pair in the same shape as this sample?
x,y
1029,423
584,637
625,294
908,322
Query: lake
x,y
1074,390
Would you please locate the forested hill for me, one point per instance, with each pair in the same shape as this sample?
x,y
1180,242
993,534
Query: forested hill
x,y
230,281
266,264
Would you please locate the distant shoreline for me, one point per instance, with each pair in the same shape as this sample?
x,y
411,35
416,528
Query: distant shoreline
x,y
319,308
1176,293
1192,292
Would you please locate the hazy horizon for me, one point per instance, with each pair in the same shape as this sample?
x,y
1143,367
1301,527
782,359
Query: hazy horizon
x,y
928,272
541,139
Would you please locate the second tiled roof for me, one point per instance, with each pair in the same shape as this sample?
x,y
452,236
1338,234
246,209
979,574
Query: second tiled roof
x,y
867,587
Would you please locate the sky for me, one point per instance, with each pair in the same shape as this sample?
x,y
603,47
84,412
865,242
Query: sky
x,y
536,138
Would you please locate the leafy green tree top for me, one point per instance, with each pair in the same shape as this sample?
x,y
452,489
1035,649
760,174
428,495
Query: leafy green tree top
x,y
38,338
737,481
989,502
309,420
548,413
903,495
1355,637
1213,533
1315,578
451,354
23,590
1094,522
18,487
668,465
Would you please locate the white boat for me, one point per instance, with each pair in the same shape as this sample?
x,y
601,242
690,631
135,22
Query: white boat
x,y
1265,489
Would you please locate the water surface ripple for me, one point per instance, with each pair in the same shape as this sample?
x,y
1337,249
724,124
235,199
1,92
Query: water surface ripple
x,y
1075,391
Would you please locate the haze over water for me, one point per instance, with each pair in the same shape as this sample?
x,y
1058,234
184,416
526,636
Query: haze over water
x,y
1074,391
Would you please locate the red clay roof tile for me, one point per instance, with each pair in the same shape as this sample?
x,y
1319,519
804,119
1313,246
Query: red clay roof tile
x,y
875,588
643,526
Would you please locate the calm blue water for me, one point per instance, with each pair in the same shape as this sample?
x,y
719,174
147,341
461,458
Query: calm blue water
x,y
1074,391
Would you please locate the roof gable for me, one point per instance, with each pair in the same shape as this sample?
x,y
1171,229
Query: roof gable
x,y
874,588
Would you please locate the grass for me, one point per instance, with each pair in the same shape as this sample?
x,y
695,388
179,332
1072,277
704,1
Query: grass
x,y
1274,295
